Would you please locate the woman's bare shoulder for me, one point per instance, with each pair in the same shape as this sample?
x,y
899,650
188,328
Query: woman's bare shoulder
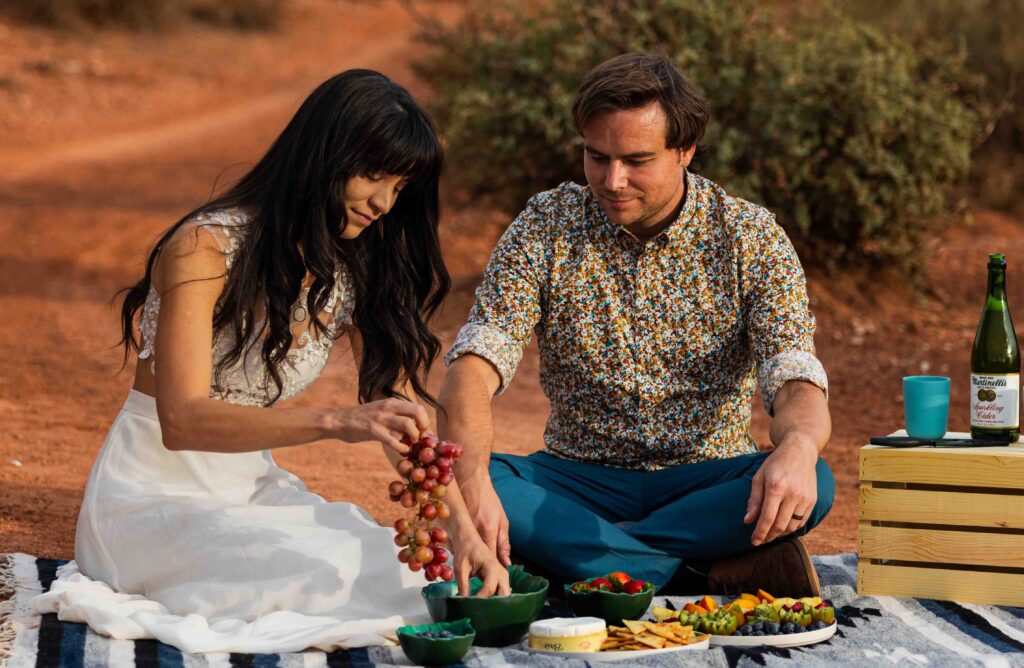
x,y
193,253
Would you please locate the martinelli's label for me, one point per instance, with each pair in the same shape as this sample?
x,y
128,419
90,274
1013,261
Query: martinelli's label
x,y
995,401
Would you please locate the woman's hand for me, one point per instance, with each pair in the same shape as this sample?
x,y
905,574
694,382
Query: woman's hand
x,y
475,558
389,421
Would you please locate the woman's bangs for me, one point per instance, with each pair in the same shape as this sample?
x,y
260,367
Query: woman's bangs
x,y
407,148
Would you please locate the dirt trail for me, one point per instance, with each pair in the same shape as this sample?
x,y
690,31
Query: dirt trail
x,y
139,144
94,168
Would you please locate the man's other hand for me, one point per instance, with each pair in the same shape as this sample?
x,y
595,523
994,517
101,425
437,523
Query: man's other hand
x,y
784,491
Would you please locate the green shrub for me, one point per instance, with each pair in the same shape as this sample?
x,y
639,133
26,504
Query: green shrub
x,y
990,32
851,138
148,14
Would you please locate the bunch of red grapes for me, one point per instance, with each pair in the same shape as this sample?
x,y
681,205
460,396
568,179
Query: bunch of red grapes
x,y
427,470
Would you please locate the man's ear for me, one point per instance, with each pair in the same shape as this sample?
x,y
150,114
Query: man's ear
x,y
686,155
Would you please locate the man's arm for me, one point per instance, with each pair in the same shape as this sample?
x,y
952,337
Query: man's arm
x,y
484,357
785,488
793,382
472,556
466,398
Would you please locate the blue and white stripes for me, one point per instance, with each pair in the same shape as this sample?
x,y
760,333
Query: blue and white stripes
x,y
881,631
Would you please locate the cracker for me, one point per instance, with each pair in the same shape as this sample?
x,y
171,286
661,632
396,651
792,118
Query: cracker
x,y
651,640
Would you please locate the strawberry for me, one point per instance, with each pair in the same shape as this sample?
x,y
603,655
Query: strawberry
x,y
601,583
634,586
579,587
618,579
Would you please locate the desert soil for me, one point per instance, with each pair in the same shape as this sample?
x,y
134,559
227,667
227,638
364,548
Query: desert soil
x,y
106,138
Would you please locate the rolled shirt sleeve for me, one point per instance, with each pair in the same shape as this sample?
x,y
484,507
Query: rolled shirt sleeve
x,y
508,301
781,325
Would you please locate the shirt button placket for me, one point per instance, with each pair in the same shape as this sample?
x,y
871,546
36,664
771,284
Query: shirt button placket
x,y
641,319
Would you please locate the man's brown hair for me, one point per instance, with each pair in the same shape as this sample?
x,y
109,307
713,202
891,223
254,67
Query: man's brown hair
x,y
634,80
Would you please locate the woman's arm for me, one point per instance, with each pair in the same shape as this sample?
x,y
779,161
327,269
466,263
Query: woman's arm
x,y
189,276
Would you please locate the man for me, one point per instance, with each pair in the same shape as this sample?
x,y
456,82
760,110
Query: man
x,y
657,300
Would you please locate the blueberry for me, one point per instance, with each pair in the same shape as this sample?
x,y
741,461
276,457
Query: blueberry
x,y
758,626
771,628
746,629
757,633
789,627
446,634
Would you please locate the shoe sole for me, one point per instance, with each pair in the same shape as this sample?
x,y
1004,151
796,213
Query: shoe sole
x,y
805,557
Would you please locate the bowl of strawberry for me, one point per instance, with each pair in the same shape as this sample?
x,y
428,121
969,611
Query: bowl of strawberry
x,y
612,597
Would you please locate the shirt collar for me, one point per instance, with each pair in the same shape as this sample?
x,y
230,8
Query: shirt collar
x,y
670,234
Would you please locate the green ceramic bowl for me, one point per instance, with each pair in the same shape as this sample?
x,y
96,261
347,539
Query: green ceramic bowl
x,y
498,620
612,607
436,651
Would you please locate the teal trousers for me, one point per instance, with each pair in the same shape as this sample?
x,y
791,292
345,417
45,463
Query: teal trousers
x,y
580,520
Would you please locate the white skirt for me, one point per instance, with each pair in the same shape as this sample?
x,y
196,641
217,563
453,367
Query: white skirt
x,y
218,552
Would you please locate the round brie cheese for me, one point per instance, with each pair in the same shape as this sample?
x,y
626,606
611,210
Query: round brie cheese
x,y
568,634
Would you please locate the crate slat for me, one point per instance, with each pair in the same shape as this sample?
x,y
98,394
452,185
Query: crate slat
x,y
943,547
1000,511
1001,467
943,584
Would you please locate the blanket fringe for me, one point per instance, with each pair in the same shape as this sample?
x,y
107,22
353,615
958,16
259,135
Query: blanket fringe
x,y
7,589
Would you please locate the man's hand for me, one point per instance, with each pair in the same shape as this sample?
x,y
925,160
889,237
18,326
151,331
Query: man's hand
x,y
784,490
478,559
488,516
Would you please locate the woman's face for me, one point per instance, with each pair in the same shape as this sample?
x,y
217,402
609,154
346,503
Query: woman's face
x,y
367,198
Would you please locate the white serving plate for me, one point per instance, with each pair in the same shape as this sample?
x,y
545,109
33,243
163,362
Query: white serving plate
x,y
625,655
783,640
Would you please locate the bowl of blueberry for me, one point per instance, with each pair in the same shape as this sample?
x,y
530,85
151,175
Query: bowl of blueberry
x,y
437,644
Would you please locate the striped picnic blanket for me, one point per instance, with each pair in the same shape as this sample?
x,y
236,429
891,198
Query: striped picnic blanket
x,y
882,631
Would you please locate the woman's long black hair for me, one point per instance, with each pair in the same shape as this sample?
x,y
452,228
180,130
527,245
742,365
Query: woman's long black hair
x,y
358,123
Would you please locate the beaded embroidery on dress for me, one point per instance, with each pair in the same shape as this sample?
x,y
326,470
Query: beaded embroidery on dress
x,y
247,382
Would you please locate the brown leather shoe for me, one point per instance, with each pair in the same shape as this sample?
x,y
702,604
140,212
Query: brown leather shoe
x,y
781,568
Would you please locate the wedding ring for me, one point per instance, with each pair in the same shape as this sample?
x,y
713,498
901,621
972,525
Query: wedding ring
x,y
797,517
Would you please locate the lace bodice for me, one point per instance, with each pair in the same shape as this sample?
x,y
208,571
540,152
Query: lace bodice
x,y
247,382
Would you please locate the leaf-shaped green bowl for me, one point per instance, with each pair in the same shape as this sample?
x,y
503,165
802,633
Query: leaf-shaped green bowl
x,y
498,620
612,607
436,651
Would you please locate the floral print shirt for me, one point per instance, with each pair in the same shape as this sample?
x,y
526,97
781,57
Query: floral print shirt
x,y
649,351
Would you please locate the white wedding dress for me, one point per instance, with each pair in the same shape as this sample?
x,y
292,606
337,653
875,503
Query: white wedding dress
x,y
215,552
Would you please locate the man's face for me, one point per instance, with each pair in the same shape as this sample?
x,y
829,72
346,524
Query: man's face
x,y
635,177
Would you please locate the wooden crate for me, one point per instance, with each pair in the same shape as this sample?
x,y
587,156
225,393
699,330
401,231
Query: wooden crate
x,y
942,523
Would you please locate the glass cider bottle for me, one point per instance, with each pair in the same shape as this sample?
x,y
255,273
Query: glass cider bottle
x,y
995,364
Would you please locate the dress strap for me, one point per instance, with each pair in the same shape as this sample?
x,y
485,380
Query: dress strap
x,y
227,226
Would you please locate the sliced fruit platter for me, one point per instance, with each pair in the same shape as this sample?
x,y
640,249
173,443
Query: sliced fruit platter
x,y
756,619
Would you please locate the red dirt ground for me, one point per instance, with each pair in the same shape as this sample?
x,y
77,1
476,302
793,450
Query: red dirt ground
x,y
106,138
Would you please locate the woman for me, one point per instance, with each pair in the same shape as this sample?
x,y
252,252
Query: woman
x,y
188,531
